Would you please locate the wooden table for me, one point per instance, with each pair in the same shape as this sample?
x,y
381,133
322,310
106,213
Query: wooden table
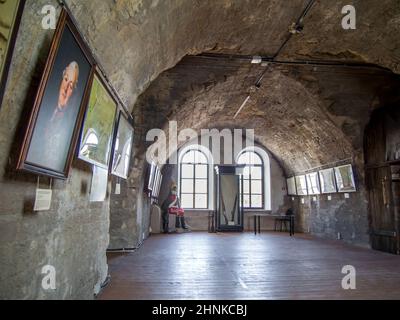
x,y
257,222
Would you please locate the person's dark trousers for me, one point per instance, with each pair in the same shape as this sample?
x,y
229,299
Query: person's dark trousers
x,y
165,220
180,222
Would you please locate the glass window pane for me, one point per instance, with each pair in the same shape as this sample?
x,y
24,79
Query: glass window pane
x,y
246,201
189,157
244,158
250,158
256,187
200,157
246,172
201,171
187,201
246,186
255,159
201,201
187,171
256,173
187,186
256,201
201,186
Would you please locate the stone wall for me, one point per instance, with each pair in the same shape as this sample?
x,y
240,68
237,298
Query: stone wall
x,y
339,218
73,235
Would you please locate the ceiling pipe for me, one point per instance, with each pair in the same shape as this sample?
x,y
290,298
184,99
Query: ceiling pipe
x,y
296,27
311,63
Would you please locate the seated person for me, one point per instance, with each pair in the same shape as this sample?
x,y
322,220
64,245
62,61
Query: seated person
x,y
172,206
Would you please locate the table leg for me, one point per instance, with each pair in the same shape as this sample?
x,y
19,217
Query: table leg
x,y
291,226
255,225
259,224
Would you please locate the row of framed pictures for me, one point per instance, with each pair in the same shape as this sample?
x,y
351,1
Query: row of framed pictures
x,y
333,180
155,178
74,101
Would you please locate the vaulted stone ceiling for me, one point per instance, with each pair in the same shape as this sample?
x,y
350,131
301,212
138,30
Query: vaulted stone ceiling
x,y
136,40
306,116
302,117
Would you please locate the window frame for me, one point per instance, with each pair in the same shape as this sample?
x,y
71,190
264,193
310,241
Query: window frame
x,y
243,179
194,179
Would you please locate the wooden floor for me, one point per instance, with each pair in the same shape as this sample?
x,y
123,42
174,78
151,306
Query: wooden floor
x,y
245,266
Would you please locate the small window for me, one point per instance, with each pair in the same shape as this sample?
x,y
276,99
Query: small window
x,y
252,180
194,180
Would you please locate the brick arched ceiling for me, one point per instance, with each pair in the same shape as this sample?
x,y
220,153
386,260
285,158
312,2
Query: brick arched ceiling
x,y
136,40
306,116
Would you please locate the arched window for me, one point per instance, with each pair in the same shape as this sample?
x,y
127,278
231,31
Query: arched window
x,y
194,180
254,180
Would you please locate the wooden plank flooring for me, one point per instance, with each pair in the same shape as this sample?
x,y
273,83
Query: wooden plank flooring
x,y
244,266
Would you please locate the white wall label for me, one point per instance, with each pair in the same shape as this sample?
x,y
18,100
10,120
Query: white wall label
x,y
303,201
98,190
329,198
43,199
118,188
347,195
314,199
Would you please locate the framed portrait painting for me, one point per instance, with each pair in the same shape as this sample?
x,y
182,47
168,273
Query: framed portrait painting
x,y
122,147
328,182
345,179
50,140
98,127
10,18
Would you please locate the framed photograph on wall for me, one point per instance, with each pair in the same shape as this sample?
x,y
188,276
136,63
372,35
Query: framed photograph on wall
x,y
301,186
54,126
10,18
98,127
123,141
151,177
328,181
313,185
345,179
291,185
157,183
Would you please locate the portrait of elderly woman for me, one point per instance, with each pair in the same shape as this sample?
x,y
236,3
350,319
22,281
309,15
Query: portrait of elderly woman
x,y
57,118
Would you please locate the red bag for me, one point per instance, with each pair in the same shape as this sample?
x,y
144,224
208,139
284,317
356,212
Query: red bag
x,y
176,211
